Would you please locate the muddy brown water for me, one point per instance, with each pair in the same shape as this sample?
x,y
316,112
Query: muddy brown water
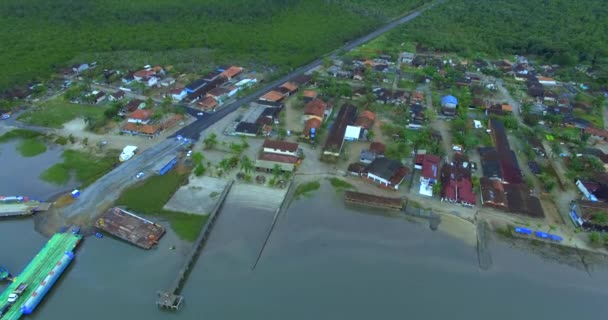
x,y
323,260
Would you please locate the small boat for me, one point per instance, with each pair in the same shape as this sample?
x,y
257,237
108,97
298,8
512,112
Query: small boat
x,y
98,235
76,230
4,274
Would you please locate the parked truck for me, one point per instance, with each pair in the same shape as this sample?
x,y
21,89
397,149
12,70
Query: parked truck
x,y
127,153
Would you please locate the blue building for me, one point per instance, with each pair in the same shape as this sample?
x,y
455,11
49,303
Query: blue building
x,y
448,105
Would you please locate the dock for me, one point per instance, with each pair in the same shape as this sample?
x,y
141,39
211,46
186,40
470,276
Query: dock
x,y
370,200
22,209
171,299
130,227
37,278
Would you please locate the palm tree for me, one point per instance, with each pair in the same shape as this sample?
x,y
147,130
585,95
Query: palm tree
x,y
276,171
246,164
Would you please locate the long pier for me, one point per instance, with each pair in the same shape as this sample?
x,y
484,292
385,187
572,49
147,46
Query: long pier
x,y
21,209
37,278
171,298
371,200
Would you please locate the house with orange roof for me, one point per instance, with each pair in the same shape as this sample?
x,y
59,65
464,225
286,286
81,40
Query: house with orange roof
x,y
288,88
141,129
309,95
208,104
315,109
272,96
231,72
141,116
309,125
365,119
546,81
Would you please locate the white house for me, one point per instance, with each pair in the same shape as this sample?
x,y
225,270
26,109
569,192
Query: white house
x,y
546,81
281,147
166,82
150,81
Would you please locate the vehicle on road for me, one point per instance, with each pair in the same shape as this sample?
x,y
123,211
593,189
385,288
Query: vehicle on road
x,y
139,175
189,153
6,115
200,114
127,153
12,297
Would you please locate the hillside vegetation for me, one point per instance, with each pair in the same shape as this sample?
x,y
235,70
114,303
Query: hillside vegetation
x,y
559,31
40,36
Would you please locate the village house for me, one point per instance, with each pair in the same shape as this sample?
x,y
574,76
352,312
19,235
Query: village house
x,y
365,119
407,57
195,85
247,129
386,173
311,127
448,105
142,74
513,198
167,82
178,94
208,104
599,135
272,96
140,116
128,78
546,81
150,81
141,129
219,94
99,96
80,67
117,96
315,109
134,105
429,172
456,182
288,88
281,154
335,140
231,72
309,95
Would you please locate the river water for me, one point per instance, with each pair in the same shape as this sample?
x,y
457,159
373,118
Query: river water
x,y
323,261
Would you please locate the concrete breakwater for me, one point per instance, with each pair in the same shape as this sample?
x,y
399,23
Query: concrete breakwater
x,y
171,298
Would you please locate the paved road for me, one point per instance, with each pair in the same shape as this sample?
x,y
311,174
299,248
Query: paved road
x,y
107,189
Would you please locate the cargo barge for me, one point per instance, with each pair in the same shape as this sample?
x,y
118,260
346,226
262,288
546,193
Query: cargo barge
x,y
28,288
131,228
16,206
370,200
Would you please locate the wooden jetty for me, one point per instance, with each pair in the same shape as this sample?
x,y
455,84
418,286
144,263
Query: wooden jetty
x,y
131,228
171,299
370,200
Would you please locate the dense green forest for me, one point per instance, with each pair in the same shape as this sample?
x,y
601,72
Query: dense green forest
x,y
560,31
40,36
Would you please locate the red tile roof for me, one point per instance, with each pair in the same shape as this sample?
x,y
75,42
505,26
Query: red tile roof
x,y
141,114
145,129
365,119
430,165
207,103
377,147
278,157
290,86
144,73
596,132
311,123
231,72
273,96
316,107
465,192
281,145
310,94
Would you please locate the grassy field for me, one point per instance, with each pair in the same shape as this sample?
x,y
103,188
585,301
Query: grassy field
x,y
46,35
86,167
305,189
31,147
340,184
138,199
20,134
56,112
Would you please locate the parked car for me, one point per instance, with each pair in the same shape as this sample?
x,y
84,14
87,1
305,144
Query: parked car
x,y
139,175
12,297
